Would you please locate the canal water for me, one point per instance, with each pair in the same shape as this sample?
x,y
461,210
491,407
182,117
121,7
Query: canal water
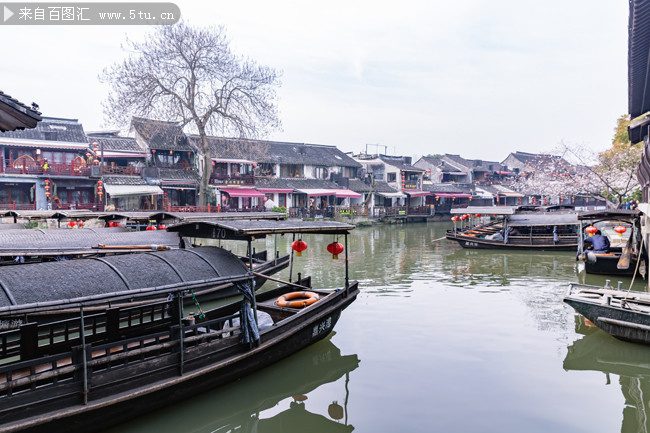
x,y
441,339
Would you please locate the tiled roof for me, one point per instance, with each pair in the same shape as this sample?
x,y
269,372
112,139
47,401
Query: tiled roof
x,y
120,144
178,174
52,129
383,187
470,164
161,135
297,183
277,152
357,185
461,188
124,180
401,165
16,115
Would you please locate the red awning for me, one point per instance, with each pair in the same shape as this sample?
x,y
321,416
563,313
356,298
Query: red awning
x,y
347,193
274,190
316,192
452,195
242,192
416,193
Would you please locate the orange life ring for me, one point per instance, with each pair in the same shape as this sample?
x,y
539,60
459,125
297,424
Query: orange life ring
x,y
283,301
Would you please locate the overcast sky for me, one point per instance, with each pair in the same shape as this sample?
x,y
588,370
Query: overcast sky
x,y
479,78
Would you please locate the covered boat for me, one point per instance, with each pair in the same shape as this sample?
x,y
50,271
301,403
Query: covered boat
x,y
128,361
623,229
508,227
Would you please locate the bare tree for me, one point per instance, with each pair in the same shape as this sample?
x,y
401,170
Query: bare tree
x,y
189,75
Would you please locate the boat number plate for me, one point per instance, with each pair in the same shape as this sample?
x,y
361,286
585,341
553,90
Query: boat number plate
x,y
10,324
471,244
321,327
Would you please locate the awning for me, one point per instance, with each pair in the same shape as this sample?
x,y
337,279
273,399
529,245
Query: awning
x,y
509,194
452,195
392,194
276,190
417,193
233,161
347,193
314,192
242,192
127,190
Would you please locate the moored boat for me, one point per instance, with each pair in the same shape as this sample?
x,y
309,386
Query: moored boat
x,y
623,229
507,227
623,314
131,360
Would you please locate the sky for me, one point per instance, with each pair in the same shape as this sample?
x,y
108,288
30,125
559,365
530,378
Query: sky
x,y
479,78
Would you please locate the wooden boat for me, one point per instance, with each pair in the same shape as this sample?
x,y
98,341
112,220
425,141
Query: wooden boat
x,y
507,227
133,360
623,256
621,313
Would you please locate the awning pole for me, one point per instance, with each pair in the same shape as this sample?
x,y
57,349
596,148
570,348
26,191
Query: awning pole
x,y
347,276
250,269
291,258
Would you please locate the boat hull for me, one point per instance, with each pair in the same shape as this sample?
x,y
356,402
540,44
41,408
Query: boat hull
x,y
118,394
464,241
622,323
607,264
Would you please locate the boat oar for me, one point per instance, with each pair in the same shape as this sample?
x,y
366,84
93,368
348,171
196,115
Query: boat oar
x,y
624,261
257,274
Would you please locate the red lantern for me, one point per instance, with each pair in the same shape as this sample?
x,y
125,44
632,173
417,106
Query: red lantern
x,y
478,215
620,230
151,227
454,219
335,248
71,224
299,246
591,230
162,227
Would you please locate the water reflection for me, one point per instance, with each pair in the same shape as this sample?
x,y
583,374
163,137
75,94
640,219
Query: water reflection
x,y
597,351
275,399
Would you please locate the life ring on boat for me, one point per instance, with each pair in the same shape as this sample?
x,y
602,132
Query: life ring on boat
x,y
284,300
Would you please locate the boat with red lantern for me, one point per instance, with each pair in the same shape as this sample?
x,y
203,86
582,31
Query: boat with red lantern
x,y
97,369
515,228
626,255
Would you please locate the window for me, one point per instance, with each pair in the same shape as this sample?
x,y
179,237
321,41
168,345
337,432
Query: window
x,y
391,177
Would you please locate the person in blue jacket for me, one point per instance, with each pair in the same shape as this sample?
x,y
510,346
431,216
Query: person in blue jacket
x,y
599,243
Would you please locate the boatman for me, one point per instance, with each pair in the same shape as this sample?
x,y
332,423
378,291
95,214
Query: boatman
x,y
599,242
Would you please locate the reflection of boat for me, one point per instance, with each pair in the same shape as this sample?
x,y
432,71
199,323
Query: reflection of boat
x,y
621,259
597,351
515,229
240,408
622,314
55,378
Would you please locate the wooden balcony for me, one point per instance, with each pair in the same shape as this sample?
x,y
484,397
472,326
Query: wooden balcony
x,y
30,166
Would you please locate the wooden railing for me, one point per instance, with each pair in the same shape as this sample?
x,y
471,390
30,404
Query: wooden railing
x,y
78,206
24,167
17,206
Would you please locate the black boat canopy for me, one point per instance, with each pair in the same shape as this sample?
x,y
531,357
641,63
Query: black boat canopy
x,y
76,282
614,214
58,242
543,219
249,230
